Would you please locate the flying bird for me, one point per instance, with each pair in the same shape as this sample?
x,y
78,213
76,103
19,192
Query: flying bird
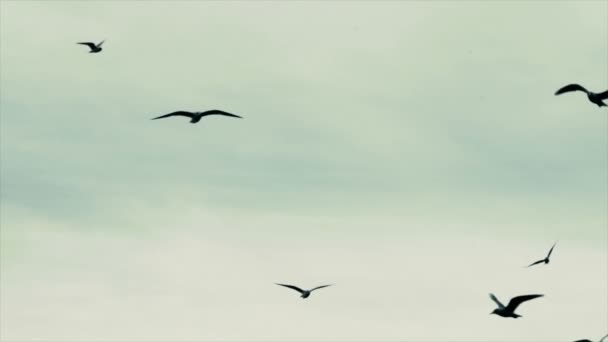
x,y
593,97
545,260
305,293
585,340
95,48
197,116
509,310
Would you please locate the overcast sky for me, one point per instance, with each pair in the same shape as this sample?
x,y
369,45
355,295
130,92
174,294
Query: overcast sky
x,y
411,153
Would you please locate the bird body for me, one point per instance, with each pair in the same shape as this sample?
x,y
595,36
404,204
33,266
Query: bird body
x,y
509,310
95,48
197,116
303,293
595,98
586,340
546,259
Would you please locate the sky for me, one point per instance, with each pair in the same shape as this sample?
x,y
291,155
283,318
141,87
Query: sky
x,y
411,153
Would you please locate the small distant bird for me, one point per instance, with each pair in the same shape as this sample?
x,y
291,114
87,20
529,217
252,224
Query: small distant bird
x,y
305,293
593,97
585,340
545,260
95,48
509,310
197,116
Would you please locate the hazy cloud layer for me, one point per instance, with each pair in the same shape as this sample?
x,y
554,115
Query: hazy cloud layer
x,y
412,153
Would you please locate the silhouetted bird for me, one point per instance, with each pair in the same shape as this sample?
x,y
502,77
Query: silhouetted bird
x,y
545,260
593,97
585,340
196,116
94,48
509,310
305,293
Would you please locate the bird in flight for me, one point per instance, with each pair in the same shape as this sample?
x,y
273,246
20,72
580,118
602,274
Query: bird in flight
x,y
509,310
305,293
95,48
546,259
586,340
197,116
593,97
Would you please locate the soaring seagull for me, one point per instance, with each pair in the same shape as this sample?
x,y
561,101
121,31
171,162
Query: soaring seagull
x,y
509,310
95,48
305,293
593,97
545,260
196,116
585,340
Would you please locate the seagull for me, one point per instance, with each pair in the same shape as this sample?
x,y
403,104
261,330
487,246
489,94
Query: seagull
x,y
305,293
94,48
586,340
593,97
196,116
545,260
509,310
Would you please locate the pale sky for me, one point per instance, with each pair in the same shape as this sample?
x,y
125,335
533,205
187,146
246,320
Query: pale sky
x,y
411,153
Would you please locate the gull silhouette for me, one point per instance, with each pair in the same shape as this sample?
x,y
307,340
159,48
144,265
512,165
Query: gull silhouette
x,y
305,293
593,97
95,48
196,116
585,340
545,260
509,310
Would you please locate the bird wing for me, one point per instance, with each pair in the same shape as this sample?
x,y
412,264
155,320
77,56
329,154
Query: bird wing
x,y
602,339
100,43
603,96
178,113
537,262
516,301
585,340
220,112
320,287
292,287
551,250
570,87
89,44
493,297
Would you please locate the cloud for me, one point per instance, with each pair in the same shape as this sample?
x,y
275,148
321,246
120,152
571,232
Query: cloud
x,y
185,283
413,145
